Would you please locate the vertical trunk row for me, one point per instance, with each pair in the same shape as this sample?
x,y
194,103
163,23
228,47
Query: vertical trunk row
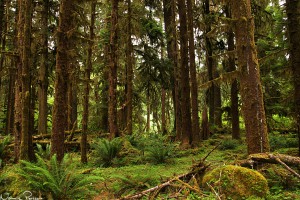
x,y
43,72
59,118
194,86
112,102
293,14
129,77
89,65
184,70
251,91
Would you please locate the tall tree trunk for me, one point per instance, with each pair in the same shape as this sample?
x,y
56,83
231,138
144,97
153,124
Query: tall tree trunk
x,y
209,63
293,14
10,100
25,57
194,85
171,33
129,65
185,80
3,30
43,72
89,67
59,119
112,103
163,111
235,123
251,91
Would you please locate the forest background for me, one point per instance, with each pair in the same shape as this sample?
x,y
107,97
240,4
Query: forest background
x,y
74,71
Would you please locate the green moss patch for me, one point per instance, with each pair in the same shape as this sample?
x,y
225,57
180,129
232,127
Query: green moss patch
x,y
236,182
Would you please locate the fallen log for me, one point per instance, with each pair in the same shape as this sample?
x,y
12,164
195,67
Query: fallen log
x,y
284,160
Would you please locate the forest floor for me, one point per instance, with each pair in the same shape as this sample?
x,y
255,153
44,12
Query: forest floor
x,y
128,180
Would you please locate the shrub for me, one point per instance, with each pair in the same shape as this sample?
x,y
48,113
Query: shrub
x,y
57,180
159,150
106,151
282,141
44,153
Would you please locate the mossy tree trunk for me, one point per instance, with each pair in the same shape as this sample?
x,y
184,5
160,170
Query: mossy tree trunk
x,y
250,84
193,74
87,79
234,108
293,14
59,118
43,72
25,80
185,80
113,65
169,7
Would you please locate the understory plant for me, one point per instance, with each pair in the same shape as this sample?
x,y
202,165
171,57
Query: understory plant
x,y
44,153
57,180
106,151
3,144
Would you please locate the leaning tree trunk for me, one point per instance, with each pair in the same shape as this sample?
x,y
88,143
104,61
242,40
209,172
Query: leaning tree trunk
x,y
194,85
251,90
112,102
59,119
185,80
293,13
85,117
43,72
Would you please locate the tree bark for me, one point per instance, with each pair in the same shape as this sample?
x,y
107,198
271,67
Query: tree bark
x,y
185,80
194,85
251,91
293,14
25,81
89,67
113,65
129,65
59,119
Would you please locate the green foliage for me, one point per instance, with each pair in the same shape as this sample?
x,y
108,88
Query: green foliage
x,y
60,180
229,144
282,141
159,150
106,151
3,144
44,153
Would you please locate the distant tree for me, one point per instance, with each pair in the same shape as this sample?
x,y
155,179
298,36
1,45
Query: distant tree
x,y
293,14
251,90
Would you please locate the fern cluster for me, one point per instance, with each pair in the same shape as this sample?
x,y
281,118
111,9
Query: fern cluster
x,y
3,144
57,180
106,151
44,153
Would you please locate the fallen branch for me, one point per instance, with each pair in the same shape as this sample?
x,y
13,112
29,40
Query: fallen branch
x,y
285,165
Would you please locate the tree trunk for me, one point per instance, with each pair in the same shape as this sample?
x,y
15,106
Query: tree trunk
x,y
209,63
235,123
251,91
293,14
194,85
217,102
89,67
129,77
163,111
59,119
171,33
112,103
10,100
25,57
43,73
185,80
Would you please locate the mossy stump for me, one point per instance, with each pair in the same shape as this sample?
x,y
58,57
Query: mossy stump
x,y
234,182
